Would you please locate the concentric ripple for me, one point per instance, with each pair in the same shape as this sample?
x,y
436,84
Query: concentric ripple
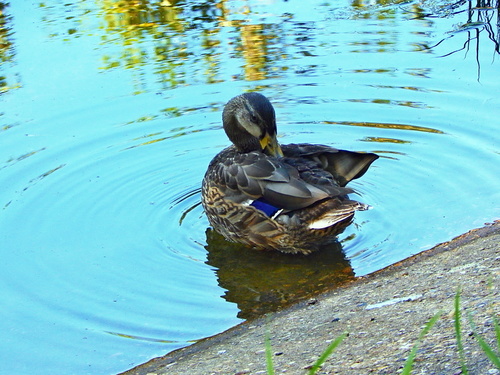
x,y
108,248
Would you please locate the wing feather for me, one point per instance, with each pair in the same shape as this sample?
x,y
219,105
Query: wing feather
x,y
282,183
343,165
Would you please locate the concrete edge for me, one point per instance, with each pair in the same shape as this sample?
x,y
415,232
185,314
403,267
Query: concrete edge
x,y
160,362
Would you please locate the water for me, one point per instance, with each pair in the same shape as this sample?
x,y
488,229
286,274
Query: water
x,y
110,113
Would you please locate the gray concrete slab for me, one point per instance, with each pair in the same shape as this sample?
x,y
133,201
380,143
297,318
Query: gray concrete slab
x,y
383,314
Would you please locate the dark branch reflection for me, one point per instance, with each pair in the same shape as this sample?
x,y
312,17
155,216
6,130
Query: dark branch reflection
x,y
260,282
482,18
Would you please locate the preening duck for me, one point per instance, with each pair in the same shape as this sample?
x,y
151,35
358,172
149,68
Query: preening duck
x,y
292,198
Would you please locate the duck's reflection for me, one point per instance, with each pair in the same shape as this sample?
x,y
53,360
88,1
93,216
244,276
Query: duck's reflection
x,y
260,282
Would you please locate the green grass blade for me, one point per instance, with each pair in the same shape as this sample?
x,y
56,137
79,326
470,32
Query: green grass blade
x,y
413,353
458,334
497,332
490,353
328,351
496,324
269,355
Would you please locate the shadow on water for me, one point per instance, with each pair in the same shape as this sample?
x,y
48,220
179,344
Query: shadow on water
x,y
260,282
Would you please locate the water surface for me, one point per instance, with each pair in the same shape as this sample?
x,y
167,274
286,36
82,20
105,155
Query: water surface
x,y
110,112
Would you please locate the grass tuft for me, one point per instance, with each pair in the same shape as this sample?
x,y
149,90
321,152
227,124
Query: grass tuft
x,y
328,351
413,353
458,333
315,367
497,331
492,353
269,355
487,349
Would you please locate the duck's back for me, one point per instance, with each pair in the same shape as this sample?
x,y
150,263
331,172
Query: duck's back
x,y
291,204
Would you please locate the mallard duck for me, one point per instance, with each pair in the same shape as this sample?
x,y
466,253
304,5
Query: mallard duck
x,y
290,198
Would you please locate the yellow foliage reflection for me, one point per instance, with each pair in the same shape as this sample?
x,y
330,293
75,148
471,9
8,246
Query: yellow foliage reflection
x,y
5,32
385,126
6,48
133,24
135,14
169,27
185,43
254,51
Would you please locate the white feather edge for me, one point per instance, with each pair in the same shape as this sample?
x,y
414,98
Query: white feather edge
x,y
328,221
332,218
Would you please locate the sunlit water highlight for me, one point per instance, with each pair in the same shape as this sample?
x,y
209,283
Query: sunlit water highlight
x,y
109,118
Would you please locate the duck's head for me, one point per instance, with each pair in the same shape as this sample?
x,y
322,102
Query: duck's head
x,y
250,123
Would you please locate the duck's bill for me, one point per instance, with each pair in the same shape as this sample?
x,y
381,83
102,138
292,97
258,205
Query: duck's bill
x,y
270,146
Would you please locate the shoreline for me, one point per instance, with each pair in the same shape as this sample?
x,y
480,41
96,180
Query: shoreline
x,y
383,313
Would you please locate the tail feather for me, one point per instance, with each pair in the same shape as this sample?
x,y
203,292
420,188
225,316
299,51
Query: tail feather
x,y
348,165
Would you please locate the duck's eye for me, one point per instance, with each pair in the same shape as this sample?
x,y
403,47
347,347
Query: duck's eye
x,y
253,118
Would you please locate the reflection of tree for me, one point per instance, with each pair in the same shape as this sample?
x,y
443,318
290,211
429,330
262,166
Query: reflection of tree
x,y
6,46
482,18
261,282
181,39
210,41
5,34
134,24
254,49
180,42
479,19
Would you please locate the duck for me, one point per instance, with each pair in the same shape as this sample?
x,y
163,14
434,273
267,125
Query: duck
x,y
290,198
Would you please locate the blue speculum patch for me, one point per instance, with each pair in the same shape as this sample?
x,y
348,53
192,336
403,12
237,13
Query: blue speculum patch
x,y
266,207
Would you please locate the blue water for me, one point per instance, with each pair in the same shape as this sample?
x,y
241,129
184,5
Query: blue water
x,y
110,114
